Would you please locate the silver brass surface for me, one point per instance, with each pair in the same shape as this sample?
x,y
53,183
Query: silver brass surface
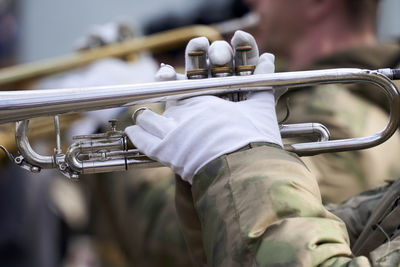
x,y
109,152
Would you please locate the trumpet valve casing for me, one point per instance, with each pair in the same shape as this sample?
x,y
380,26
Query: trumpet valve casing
x,y
242,68
199,65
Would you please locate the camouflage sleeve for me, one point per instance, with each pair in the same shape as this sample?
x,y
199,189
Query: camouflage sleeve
x,y
262,207
356,213
388,254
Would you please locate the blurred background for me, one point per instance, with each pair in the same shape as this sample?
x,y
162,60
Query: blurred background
x,y
104,207
48,28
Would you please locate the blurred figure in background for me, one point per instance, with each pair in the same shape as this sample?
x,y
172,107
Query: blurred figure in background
x,y
33,226
8,32
334,34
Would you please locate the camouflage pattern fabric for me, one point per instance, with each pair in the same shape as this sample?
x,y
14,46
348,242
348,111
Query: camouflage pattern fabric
x,y
356,213
387,255
261,207
353,110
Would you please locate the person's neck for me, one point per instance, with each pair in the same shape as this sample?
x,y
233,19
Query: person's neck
x,y
325,39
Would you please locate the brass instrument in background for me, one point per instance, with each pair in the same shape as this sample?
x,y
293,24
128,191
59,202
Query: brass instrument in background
x,y
159,42
112,151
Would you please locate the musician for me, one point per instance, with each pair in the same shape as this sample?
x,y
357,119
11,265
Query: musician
x,y
242,200
350,111
334,34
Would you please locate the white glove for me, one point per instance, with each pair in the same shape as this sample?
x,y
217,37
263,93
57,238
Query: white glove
x,y
195,131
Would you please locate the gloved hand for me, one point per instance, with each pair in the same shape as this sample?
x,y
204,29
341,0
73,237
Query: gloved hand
x,y
193,132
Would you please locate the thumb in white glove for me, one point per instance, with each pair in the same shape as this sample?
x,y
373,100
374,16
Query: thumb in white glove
x,y
168,73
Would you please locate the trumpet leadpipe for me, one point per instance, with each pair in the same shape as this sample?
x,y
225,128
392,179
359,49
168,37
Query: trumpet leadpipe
x,y
21,105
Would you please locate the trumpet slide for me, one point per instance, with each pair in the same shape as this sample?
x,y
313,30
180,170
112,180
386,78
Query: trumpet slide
x,y
111,151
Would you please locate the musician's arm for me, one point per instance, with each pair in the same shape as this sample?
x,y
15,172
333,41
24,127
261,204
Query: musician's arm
x,y
262,206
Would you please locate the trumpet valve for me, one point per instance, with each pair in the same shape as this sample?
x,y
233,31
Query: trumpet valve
x,y
242,68
199,65
221,70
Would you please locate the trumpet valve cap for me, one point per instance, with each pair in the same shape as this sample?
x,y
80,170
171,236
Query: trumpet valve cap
x,y
221,70
243,48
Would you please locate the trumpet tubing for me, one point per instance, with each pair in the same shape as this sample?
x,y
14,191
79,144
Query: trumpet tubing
x,y
110,152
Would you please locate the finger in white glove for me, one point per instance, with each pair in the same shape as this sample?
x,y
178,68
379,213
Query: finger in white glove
x,y
266,65
155,124
220,53
168,73
241,38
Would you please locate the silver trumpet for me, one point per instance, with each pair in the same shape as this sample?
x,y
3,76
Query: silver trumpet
x,y
112,151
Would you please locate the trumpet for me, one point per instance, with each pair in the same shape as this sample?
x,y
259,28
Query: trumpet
x,y
112,151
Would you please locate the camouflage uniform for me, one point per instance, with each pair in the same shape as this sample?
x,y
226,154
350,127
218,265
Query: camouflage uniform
x,y
354,110
357,213
260,206
387,255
